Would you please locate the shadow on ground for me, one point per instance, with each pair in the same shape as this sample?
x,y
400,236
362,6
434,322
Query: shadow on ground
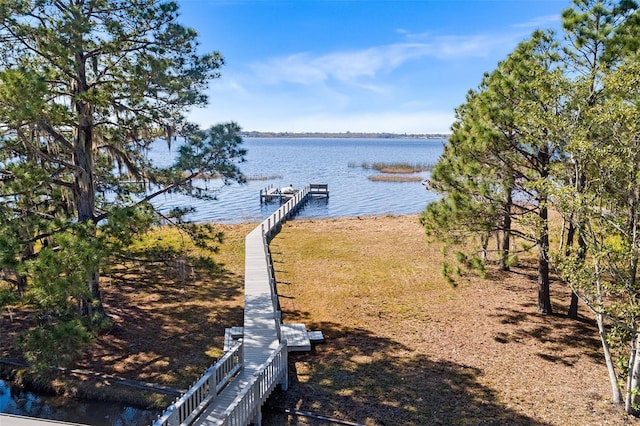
x,y
369,374
555,332
166,329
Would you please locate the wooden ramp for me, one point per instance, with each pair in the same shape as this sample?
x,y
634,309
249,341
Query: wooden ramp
x,y
214,414
263,334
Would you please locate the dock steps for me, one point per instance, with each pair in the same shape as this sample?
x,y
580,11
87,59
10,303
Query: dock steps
x,y
231,336
297,336
319,190
315,336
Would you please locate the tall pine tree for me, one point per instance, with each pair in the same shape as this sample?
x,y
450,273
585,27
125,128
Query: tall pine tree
x,y
86,88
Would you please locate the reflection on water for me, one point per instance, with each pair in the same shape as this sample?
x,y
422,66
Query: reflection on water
x,y
20,402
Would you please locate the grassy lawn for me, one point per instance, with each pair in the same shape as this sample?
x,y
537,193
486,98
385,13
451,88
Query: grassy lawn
x,y
405,348
402,346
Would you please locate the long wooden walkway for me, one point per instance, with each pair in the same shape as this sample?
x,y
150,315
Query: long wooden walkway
x,y
236,394
232,391
260,335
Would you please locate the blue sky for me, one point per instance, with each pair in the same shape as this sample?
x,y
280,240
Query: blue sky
x,y
399,66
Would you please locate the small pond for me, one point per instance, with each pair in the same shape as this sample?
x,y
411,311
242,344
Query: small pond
x,y
23,403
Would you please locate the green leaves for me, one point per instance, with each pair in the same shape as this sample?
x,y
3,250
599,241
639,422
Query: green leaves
x,y
22,95
59,273
55,344
494,172
557,126
86,88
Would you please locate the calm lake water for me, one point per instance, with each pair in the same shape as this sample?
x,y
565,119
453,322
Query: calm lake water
x,y
298,162
284,162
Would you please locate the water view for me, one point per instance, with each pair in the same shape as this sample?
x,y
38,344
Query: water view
x,y
277,162
298,162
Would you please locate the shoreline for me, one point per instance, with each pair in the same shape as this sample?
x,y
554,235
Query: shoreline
x,y
347,135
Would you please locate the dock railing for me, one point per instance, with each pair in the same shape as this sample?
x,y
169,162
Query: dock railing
x,y
277,314
272,224
321,189
247,406
186,408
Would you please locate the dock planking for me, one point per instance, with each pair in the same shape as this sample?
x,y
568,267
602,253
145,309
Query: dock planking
x,y
262,332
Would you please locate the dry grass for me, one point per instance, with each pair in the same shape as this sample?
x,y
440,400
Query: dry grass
x,y
394,178
269,177
402,346
168,323
396,167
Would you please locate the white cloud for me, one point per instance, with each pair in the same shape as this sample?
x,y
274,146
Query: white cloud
x,y
298,68
339,91
354,66
542,22
230,85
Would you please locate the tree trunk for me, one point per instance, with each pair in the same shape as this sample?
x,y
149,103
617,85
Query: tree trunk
x,y
632,378
580,182
83,158
573,307
544,295
84,189
616,395
634,359
21,279
506,235
84,183
485,244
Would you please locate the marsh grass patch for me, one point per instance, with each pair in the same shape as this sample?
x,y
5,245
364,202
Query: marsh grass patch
x,y
394,178
395,167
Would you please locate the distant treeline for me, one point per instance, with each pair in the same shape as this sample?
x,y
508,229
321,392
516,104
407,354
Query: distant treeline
x,y
345,135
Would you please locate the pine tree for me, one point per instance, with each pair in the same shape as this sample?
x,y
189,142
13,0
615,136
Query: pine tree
x,y
86,88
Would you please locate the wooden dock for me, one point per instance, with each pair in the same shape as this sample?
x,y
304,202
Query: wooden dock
x,y
270,194
263,340
233,390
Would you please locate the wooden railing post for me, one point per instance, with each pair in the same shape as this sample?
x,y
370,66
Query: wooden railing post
x,y
257,419
248,403
213,384
284,384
